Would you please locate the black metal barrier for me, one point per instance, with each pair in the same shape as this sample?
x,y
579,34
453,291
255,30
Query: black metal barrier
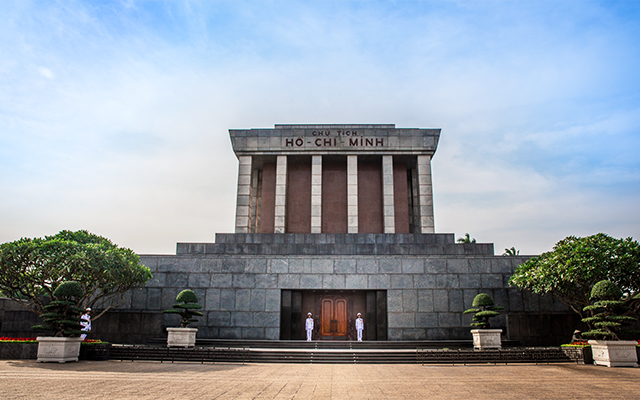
x,y
172,354
502,356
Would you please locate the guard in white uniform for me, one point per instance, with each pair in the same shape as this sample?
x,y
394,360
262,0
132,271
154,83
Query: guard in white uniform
x,y
359,326
85,322
308,325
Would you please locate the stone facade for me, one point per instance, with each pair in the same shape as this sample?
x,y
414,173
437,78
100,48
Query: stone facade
x,y
426,294
429,282
325,139
253,284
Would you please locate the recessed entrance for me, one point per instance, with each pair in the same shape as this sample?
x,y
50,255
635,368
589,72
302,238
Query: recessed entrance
x,y
334,314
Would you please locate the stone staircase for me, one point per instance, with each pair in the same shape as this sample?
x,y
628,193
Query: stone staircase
x,y
253,351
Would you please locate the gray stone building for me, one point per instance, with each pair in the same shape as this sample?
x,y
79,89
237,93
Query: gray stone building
x,y
332,220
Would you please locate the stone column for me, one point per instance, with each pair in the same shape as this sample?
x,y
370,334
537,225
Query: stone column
x,y
388,210
316,194
425,194
352,194
243,199
281,194
254,210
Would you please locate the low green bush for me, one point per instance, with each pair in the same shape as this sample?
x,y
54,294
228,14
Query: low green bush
x,y
91,342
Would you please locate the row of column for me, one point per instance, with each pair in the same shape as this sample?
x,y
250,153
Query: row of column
x,y
246,200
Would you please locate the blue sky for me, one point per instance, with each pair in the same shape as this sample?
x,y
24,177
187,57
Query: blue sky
x,y
114,116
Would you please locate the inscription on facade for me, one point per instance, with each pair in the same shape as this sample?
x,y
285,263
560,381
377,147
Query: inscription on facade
x,y
345,139
337,132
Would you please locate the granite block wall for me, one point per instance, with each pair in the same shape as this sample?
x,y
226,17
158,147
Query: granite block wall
x,y
426,295
241,294
336,244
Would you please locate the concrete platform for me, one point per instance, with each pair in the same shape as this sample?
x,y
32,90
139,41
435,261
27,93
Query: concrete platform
x,y
25,379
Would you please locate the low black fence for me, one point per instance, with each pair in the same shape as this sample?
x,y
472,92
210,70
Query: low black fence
x,y
502,356
169,354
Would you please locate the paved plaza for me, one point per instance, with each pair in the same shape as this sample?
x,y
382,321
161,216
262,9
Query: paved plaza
x,y
26,379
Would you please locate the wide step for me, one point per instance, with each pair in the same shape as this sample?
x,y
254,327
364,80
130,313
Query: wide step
x,y
336,356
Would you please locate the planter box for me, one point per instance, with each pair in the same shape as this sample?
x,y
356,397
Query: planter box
x,y
486,339
58,349
95,352
614,353
581,355
181,337
18,351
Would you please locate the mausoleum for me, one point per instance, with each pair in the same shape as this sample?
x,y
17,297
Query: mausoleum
x,y
334,179
334,220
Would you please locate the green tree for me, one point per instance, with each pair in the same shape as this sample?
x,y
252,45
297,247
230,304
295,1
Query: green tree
x,y
466,239
32,269
511,252
575,265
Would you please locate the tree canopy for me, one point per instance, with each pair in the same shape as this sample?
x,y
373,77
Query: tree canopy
x,y
466,239
576,264
32,269
512,252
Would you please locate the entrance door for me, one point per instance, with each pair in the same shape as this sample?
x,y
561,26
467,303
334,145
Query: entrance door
x,y
333,319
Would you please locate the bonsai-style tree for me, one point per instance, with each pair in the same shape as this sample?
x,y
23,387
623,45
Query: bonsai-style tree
x,y
186,305
609,309
63,314
32,269
483,310
576,264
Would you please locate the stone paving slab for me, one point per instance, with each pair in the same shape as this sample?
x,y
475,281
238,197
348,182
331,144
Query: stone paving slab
x,y
26,379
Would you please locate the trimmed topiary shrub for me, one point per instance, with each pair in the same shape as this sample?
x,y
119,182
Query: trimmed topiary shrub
x,y
606,290
186,307
187,296
483,310
609,311
63,316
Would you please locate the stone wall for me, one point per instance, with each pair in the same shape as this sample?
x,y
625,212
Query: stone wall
x,y
15,320
241,294
426,293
